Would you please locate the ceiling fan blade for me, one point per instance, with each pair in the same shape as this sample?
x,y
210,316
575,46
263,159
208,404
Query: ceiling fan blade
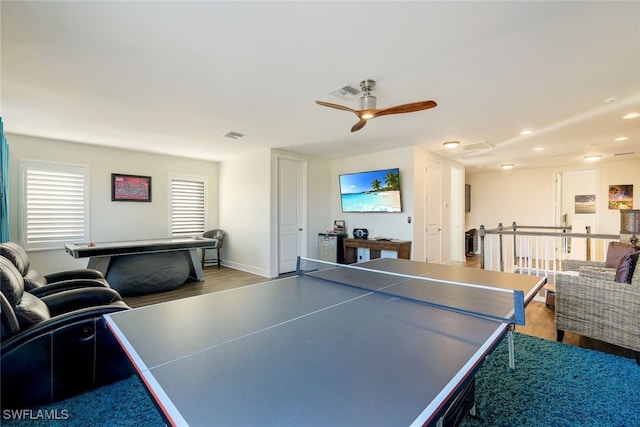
x,y
359,125
406,108
339,107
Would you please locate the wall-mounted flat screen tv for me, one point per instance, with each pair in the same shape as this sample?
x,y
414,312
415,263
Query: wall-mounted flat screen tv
x,y
371,191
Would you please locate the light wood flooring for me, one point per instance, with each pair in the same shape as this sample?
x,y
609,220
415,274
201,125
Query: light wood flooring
x,y
539,318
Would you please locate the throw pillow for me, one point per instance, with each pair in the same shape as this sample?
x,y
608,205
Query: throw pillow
x,y
616,252
626,268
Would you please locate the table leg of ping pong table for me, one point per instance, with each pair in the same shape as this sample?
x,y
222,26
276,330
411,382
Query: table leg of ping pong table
x,y
512,359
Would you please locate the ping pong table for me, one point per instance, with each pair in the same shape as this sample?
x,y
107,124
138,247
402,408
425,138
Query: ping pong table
x,y
375,343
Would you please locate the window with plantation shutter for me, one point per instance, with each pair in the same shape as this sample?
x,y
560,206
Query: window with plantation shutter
x,y
187,205
54,202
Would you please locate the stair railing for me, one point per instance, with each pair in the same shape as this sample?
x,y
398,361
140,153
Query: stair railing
x,y
538,250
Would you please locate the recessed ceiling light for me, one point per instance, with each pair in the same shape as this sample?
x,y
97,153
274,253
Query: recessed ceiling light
x,y
526,132
538,149
506,166
451,144
631,116
621,138
610,99
592,158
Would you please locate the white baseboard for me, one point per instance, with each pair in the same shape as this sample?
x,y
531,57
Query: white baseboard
x,y
246,268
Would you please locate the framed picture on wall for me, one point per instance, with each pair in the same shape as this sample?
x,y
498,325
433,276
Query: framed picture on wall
x,y
130,188
585,204
621,197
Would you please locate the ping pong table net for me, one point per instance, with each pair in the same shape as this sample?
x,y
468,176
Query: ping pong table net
x,y
502,305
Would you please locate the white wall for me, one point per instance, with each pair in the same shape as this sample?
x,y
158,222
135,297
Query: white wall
x,y
246,212
412,163
448,192
110,221
392,225
320,194
524,196
615,173
528,196
573,183
248,208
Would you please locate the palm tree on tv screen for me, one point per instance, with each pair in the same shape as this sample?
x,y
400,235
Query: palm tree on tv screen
x,y
392,180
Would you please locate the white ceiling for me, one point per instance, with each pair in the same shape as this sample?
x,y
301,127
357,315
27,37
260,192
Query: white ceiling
x,y
173,77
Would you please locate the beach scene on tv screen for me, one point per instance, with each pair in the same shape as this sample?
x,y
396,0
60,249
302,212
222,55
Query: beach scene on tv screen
x,y
374,191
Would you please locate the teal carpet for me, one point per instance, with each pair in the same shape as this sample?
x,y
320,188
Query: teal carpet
x,y
553,385
556,385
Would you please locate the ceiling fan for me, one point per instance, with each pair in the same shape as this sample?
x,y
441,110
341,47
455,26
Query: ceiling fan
x,y
368,106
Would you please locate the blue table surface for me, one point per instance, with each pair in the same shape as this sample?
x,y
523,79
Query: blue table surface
x,y
300,351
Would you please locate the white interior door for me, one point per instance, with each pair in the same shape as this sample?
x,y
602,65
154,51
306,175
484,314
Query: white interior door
x,y
433,212
457,228
291,213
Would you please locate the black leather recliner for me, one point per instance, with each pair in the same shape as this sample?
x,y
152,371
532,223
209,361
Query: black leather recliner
x,y
35,282
58,345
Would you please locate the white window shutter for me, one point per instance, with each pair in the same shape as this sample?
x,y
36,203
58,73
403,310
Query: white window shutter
x,y
55,200
187,206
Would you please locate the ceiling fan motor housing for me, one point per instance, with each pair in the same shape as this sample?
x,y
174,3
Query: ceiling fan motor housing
x,y
367,102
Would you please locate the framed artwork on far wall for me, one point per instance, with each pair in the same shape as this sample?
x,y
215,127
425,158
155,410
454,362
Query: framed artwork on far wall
x,y
585,204
621,197
130,188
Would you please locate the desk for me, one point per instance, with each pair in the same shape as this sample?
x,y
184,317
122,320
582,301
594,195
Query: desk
x,y
101,254
309,350
401,247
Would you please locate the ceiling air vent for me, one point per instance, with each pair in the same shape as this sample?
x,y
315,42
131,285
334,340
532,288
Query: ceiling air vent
x,y
234,135
472,147
346,92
